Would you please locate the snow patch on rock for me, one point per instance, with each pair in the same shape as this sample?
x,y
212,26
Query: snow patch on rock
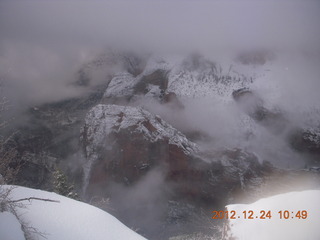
x,y
121,85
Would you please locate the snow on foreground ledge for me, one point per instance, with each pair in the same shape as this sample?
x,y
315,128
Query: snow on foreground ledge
x,y
10,227
68,219
275,228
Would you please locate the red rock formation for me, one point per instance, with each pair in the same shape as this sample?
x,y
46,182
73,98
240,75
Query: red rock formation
x,y
124,143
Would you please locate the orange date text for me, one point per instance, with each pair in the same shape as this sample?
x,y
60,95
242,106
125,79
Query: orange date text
x,y
263,214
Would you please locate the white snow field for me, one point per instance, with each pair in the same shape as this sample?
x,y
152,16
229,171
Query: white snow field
x,y
10,228
275,228
67,219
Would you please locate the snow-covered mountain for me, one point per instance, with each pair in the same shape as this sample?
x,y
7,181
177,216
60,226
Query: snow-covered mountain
x,y
180,134
158,112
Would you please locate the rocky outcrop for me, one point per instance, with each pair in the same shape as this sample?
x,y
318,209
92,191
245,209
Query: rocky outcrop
x,y
124,87
133,156
157,78
128,141
47,137
306,140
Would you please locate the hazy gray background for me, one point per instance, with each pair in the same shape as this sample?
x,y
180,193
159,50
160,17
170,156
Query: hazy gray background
x,y
43,43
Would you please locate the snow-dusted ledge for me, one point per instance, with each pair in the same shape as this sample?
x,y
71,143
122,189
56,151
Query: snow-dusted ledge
x,y
66,219
275,228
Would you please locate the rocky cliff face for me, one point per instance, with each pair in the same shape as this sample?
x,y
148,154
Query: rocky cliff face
x,y
128,139
123,145
47,137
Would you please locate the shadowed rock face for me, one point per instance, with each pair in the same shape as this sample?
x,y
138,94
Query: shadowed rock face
x,y
158,78
125,88
253,105
48,135
122,144
257,57
306,141
172,100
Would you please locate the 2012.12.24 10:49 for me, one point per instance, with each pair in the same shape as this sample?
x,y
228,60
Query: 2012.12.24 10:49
x,y
263,214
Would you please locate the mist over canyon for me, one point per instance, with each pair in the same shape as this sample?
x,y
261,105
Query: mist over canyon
x,y
158,111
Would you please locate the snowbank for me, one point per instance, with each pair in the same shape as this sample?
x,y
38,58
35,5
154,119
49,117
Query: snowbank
x,y
275,228
68,219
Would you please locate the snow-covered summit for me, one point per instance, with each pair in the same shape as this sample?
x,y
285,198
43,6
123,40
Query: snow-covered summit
x,y
193,76
197,77
102,120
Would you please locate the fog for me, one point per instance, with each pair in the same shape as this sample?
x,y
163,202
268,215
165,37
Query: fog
x,y
144,204
44,43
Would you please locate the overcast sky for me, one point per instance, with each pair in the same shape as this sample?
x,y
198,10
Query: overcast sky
x,y
197,24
